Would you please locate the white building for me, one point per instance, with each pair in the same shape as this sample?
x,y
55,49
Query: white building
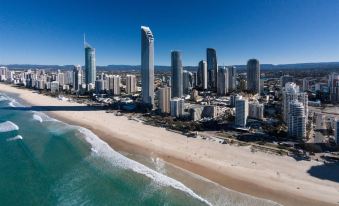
x,y
296,120
241,112
177,107
131,84
114,84
291,92
54,87
256,110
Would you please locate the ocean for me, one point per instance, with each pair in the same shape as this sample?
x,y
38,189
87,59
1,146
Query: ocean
x,y
44,161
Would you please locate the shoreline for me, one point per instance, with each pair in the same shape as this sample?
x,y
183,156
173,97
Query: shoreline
x,y
200,157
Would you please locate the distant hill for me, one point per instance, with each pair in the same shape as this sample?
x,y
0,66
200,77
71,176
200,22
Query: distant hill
x,y
298,66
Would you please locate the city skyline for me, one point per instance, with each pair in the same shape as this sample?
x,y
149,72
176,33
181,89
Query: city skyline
x,y
238,31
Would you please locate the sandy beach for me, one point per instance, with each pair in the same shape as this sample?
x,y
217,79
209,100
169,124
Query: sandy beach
x,y
278,178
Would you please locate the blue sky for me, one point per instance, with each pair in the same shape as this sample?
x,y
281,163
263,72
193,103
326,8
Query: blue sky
x,y
276,31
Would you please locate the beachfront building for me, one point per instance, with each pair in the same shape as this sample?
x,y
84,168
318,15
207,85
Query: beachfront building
x,y
90,65
241,112
114,82
77,77
291,92
253,76
131,84
164,99
202,78
177,106
296,120
256,110
222,81
212,68
54,87
177,74
147,66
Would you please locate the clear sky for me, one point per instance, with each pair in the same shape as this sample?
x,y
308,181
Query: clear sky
x,y
276,31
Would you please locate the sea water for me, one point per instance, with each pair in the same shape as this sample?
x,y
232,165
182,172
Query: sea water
x,y
44,161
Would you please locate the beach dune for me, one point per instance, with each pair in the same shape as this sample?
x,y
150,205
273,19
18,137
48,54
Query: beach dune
x,y
278,178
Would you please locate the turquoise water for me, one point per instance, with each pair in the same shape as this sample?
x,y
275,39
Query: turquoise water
x,y
47,162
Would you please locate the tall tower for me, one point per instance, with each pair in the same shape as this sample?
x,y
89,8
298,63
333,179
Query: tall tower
x,y
296,120
90,67
187,81
77,77
202,75
176,64
241,112
222,87
212,68
232,74
253,75
147,66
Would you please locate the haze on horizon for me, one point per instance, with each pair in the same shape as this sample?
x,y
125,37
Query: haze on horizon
x,y
275,32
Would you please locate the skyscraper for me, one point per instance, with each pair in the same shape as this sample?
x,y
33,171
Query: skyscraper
x,y
90,67
296,120
336,131
241,112
232,75
291,92
212,68
114,82
77,77
164,99
222,87
187,81
202,75
177,84
253,75
147,66
131,85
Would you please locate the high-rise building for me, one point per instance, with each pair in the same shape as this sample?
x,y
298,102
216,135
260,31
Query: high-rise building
x,y
147,66
164,99
99,86
177,83
232,78
131,84
256,110
296,120
306,83
241,112
77,77
212,68
90,66
114,82
177,107
253,75
187,82
222,87
202,75
292,92
284,79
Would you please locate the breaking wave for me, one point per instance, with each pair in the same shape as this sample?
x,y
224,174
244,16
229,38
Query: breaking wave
x,y
8,126
18,137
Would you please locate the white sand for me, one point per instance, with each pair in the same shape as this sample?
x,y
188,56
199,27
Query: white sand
x,y
279,178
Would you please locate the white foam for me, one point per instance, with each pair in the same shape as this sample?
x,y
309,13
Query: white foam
x,y
37,118
8,126
104,150
18,137
3,98
41,117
